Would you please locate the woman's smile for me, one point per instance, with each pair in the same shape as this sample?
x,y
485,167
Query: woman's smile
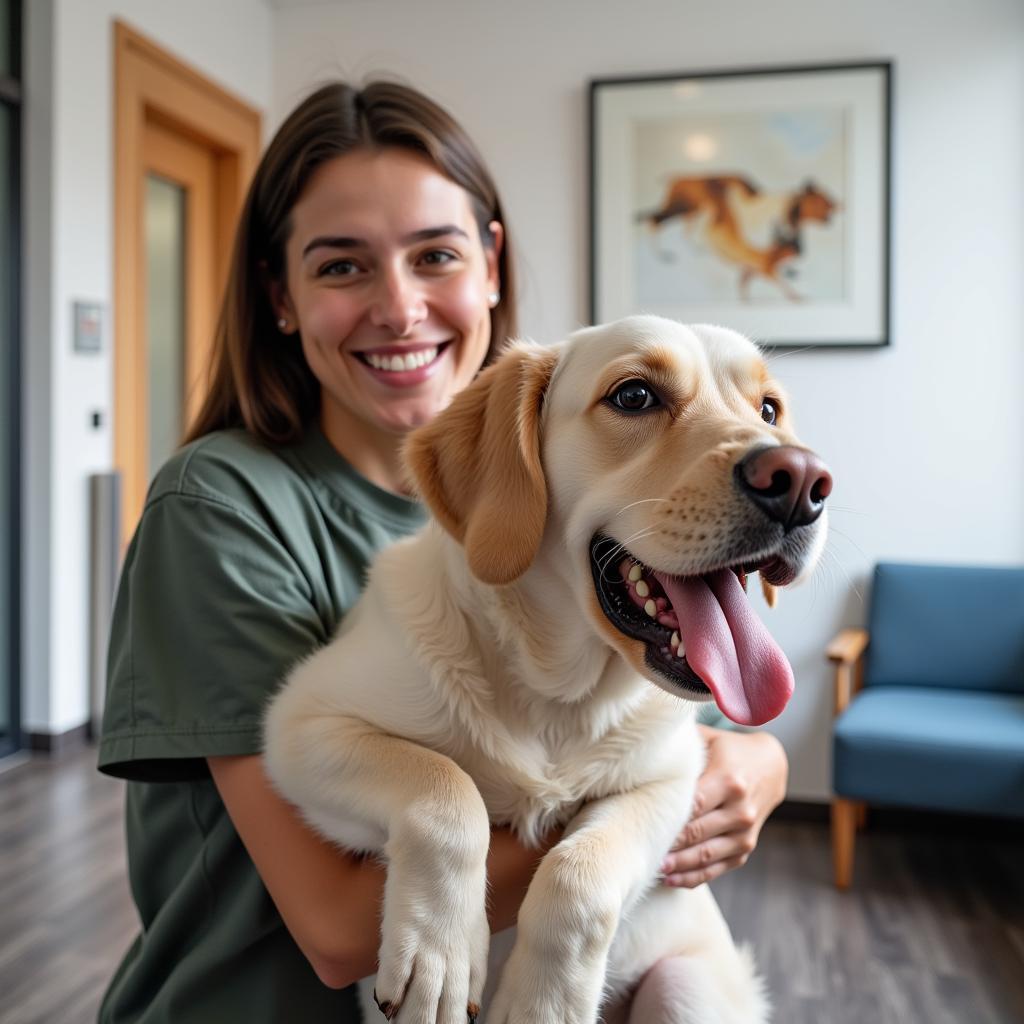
x,y
404,366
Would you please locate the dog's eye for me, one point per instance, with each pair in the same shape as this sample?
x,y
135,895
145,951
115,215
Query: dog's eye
x,y
769,411
634,396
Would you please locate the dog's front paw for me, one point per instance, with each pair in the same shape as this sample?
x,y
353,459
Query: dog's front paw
x,y
555,973
541,990
433,954
432,968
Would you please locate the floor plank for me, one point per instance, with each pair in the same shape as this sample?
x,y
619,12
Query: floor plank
x,y
931,933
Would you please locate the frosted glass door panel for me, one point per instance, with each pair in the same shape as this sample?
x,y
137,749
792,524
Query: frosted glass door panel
x,y
165,293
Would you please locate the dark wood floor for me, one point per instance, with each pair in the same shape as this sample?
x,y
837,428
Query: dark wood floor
x,y
933,932
65,912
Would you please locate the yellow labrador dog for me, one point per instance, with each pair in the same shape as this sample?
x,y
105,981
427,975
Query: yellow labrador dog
x,y
597,507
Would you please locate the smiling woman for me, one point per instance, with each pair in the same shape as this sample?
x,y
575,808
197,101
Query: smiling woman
x,y
391,305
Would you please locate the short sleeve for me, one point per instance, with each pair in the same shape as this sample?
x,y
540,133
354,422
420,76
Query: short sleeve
x,y
211,613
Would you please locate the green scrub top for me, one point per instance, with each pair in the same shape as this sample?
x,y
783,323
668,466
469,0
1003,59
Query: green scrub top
x,y
244,561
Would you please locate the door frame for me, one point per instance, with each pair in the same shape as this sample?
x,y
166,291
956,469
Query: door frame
x,y
11,96
151,85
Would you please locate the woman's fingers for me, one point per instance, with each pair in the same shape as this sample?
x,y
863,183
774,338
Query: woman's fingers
x,y
707,826
691,879
743,781
711,844
722,845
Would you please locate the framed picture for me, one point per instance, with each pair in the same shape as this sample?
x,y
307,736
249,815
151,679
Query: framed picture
x,y
755,199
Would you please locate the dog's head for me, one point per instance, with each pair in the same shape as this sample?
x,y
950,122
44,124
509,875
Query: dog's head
x,y
656,465
813,204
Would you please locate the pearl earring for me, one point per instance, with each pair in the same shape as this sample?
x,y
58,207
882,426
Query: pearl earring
x,y
282,324
493,299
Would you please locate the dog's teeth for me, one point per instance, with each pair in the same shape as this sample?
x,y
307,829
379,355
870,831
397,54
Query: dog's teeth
x,y
675,640
642,590
634,574
680,650
651,608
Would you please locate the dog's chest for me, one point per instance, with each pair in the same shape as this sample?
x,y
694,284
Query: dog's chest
x,y
565,758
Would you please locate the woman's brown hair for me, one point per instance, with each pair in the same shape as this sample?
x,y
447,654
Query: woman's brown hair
x,y
258,377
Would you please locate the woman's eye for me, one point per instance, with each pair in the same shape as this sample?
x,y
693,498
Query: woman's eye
x,y
339,268
438,257
634,396
769,411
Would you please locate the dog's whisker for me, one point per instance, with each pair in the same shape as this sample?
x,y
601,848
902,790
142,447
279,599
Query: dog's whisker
x,y
604,564
633,504
774,356
836,532
831,565
640,534
835,563
621,548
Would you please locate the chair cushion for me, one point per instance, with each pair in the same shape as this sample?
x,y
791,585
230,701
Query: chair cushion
x,y
939,748
955,626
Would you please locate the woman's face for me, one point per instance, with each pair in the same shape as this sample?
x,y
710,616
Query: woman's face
x,y
389,287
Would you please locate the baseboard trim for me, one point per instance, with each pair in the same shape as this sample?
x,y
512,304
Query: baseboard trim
x,y
59,744
11,761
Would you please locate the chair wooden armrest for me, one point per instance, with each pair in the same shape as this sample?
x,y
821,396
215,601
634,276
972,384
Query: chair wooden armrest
x,y
847,646
846,652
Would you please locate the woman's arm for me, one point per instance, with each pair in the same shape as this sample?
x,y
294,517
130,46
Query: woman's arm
x,y
330,900
744,780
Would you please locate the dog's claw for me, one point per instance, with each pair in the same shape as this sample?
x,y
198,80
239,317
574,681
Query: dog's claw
x,y
472,1012
388,1009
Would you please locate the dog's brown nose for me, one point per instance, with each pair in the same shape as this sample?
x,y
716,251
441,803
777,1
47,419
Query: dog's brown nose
x,y
790,484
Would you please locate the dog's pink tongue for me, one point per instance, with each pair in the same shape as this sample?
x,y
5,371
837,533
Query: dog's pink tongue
x,y
728,646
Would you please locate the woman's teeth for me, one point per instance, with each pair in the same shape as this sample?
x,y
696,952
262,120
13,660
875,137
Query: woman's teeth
x,y
398,364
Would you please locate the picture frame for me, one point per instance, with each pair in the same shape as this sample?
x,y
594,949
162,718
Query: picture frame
x,y
758,199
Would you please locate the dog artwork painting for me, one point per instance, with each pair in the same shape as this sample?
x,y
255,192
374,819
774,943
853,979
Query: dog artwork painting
x,y
534,657
758,199
733,237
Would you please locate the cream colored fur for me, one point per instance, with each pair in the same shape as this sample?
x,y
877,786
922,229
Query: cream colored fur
x,y
447,704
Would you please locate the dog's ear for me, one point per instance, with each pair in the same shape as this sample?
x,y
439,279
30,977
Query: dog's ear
x,y
771,593
477,464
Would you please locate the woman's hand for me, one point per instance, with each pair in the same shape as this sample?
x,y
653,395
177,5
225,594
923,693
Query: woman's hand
x,y
744,780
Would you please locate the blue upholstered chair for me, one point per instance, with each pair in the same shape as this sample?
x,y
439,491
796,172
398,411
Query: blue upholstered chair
x,y
929,699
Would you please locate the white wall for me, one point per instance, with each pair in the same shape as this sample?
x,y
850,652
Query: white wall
x,y
925,437
69,255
